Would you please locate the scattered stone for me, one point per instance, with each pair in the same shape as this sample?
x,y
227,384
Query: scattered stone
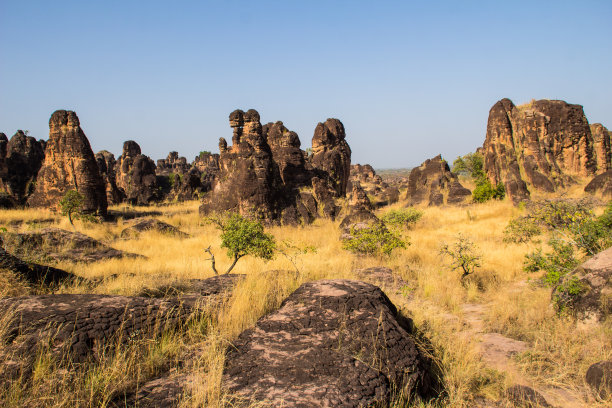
x,y
331,343
599,378
592,280
136,175
601,185
540,145
433,183
151,224
59,245
69,164
22,158
525,397
106,165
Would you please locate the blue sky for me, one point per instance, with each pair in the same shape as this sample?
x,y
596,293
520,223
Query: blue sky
x,y
409,80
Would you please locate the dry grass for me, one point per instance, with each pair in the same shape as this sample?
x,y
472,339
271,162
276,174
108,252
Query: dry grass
x,y
560,350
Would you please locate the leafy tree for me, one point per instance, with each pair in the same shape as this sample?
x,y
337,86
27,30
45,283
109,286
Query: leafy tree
x,y
242,237
463,254
374,240
71,205
471,163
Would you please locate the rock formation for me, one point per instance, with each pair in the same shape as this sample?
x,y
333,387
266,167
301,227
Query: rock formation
x,y
172,164
331,154
433,183
208,166
304,354
69,165
106,165
599,378
22,158
602,147
594,302
360,209
373,184
265,174
136,175
541,145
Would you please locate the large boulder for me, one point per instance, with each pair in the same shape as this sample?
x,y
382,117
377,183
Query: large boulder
x,y
602,147
601,185
69,164
331,343
22,158
599,378
587,291
106,164
541,145
136,175
433,183
373,184
331,154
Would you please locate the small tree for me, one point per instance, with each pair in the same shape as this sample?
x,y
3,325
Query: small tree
x,y
463,255
373,240
242,237
71,205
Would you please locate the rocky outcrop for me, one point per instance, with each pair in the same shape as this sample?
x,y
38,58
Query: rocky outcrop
x,y
136,177
587,291
59,245
373,184
541,145
69,164
173,164
601,185
208,166
21,158
151,224
331,154
331,343
602,147
433,183
360,209
106,165
265,174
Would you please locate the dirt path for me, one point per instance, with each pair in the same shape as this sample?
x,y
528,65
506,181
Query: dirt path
x,y
497,351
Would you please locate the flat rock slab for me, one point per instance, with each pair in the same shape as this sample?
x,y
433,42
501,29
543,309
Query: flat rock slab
x,y
79,326
380,275
332,343
150,224
60,245
496,349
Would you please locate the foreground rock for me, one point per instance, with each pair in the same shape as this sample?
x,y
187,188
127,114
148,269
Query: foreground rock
x,y
22,157
59,245
434,184
599,378
136,175
542,145
593,281
79,327
69,165
526,397
151,224
331,343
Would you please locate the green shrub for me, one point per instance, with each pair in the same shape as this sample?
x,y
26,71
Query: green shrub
x,y
374,240
555,214
402,218
463,254
556,264
568,293
242,237
484,191
71,205
521,229
471,164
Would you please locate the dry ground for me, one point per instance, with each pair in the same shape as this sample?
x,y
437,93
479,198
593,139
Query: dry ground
x,y
500,298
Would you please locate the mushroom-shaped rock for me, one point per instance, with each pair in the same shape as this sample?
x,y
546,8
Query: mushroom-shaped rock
x,y
69,164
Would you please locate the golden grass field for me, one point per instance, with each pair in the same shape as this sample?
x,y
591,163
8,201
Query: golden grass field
x,y
512,303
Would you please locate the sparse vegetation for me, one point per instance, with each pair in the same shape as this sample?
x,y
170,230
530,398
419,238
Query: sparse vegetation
x,y
402,218
373,240
463,254
472,164
71,205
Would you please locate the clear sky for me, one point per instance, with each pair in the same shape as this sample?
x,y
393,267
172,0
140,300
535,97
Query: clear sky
x,y
408,79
